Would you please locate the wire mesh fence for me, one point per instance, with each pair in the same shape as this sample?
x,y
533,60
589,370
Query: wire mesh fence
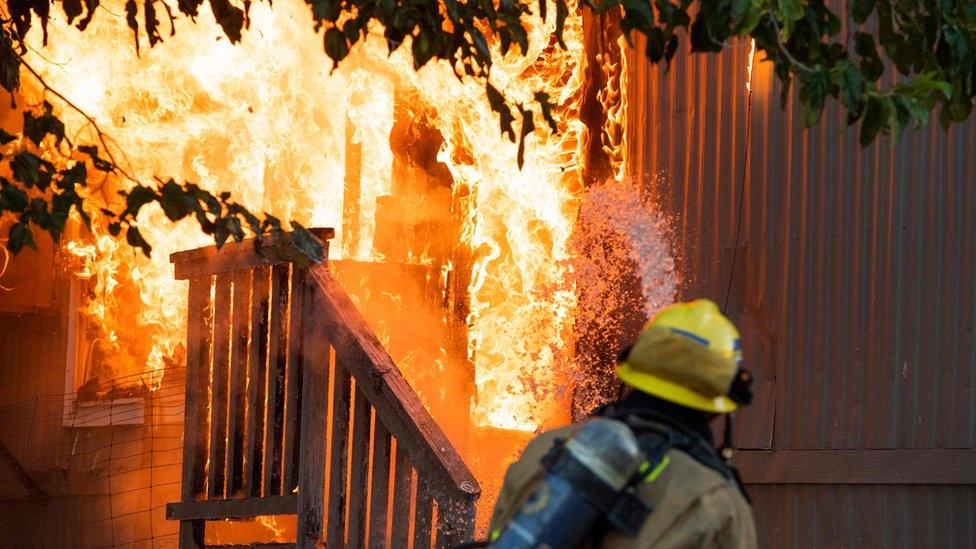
x,y
95,472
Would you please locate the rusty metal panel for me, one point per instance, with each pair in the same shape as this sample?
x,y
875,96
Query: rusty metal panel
x,y
853,280
854,285
865,516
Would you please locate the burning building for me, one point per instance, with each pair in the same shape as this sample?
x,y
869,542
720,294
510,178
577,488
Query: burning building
x,y
500,293
462,262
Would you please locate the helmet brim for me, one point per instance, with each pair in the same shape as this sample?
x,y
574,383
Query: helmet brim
x,y
673,392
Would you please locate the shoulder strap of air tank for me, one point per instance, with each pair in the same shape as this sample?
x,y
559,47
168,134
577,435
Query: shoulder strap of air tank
x,y
656,436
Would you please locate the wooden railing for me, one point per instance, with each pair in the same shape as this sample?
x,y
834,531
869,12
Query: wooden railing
x,y
294,407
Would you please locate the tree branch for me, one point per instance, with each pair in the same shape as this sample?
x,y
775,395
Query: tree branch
x,y
91,121
782,47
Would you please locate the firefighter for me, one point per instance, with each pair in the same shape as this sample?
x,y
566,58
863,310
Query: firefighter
x,y
682,372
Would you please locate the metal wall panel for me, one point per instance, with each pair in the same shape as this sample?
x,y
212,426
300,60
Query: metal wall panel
x,y
853,276
854,280
887,516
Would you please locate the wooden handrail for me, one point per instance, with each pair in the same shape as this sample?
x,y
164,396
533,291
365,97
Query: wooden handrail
x,y
396,403
299,315
247,254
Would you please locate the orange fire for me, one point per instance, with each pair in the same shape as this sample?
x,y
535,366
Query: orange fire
x,y
269,120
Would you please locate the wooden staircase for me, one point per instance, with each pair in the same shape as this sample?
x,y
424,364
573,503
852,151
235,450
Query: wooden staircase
x,y
293,407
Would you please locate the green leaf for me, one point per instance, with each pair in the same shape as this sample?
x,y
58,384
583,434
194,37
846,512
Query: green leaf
x,y
9,64
61,205
745,16
875,119
175,202
851,85
421,49
135,239
871,65
12,198
26,167
655,45
336,46
562,12
230,18
788,12
306,243
131,12
640,10
325,10
152,24
72,9
497,102
814,87
20,235
75,175
528,126
139,196
6,137
97,161
36,128
542,98
861,9
482,52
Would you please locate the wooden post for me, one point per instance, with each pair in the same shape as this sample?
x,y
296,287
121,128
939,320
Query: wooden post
x,y
218,394
455,522
238,379
257,370
295,381
311,466
358,474
335,537
401,498
379,486
195,421
423,516
276,380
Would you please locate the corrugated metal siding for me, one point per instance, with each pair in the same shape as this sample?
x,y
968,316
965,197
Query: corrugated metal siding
x,y
855,277
913,516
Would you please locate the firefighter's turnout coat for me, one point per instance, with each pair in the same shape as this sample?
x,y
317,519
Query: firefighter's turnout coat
x,y
693,505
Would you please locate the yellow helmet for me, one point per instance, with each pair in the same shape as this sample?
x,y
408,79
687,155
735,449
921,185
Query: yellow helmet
x,y
689,354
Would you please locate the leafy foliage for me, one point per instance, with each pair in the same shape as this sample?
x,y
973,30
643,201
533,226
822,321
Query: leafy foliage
x,y
929,44
44,192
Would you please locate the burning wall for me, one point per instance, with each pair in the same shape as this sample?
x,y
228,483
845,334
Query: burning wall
x,y
410,169
267,119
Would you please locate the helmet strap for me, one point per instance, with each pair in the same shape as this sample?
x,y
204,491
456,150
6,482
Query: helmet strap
x,y
726,450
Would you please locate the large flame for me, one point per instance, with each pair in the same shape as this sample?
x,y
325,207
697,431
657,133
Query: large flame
x,y
269,120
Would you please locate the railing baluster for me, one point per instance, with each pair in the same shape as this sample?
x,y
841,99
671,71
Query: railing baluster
x,y
402,487
379,498
256,374
218,393
311,465
455,522
293,385
195,420
422,520
335,536
264,339
276,380
238,378
362,426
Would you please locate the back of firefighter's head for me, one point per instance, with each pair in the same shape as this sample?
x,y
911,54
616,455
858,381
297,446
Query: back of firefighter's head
x,y
689,354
